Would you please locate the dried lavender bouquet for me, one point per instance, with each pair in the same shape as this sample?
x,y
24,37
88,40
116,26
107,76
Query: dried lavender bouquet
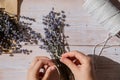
x,y
13,32
55,40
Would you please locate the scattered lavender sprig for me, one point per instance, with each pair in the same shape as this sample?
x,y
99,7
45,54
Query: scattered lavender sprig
x,y
13,32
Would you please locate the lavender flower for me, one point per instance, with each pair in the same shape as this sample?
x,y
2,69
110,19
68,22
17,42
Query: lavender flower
x,y
55,39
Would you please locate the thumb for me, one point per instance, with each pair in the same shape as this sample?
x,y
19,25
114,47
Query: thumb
x,y
70,64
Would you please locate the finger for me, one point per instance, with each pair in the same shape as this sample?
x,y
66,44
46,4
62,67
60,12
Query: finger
x,y
51,73
78,55
50,62
36,59
41,64
33,63
42,57
38,66
69,63
45,68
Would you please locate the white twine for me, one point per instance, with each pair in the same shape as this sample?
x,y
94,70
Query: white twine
x,y
106,13
92,5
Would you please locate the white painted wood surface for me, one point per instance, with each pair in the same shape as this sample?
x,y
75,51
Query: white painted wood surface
x,y
84,34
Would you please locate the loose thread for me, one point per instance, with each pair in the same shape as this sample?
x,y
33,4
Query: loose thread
x,y
103,47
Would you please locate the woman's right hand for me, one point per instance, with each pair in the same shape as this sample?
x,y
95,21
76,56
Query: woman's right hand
x,y
79,64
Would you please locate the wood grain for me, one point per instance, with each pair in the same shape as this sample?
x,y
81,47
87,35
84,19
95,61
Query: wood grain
x,y
84,33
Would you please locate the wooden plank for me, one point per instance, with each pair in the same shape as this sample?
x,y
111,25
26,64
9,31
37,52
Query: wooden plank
x,y
12,74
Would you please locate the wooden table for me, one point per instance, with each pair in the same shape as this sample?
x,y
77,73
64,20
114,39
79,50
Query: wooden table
x,y
84,34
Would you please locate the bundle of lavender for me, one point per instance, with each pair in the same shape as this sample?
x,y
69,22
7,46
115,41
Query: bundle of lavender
x,y
55,40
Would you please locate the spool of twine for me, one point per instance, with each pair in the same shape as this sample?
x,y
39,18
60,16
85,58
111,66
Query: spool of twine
x,y
106,12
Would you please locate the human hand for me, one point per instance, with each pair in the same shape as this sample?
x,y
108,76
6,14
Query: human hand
x,y
79,64
42,68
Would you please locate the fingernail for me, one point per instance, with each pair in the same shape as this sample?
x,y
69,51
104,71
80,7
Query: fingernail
x,y
61,59
52,68
63,54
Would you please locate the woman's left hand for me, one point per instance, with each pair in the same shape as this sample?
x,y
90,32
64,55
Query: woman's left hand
x,y
42,68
